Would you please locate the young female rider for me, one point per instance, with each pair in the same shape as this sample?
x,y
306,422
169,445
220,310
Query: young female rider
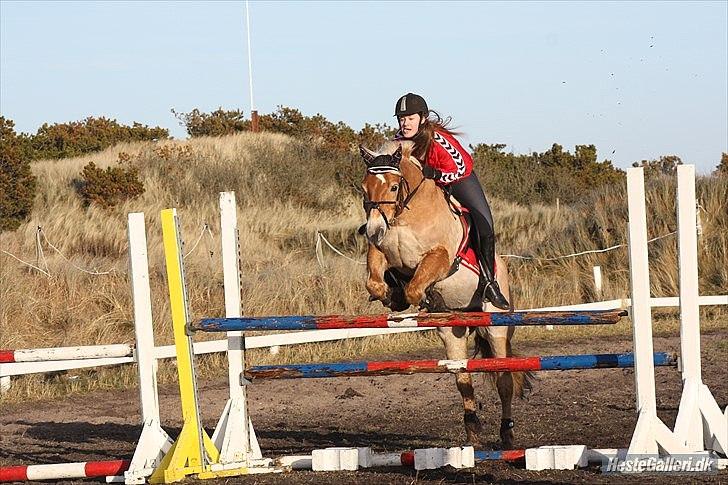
x,y
446,162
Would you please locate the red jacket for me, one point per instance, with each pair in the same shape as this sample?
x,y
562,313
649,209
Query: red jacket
x,y
448,156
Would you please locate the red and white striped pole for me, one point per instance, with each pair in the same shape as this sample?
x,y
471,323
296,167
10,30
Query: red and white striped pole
x,y
57,471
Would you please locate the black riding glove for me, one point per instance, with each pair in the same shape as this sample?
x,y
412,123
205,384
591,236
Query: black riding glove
x,y
431,173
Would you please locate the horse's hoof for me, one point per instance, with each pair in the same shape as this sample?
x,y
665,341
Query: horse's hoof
x,y
473,428
506,434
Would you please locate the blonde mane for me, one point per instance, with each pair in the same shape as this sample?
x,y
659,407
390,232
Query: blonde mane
x,y
389,147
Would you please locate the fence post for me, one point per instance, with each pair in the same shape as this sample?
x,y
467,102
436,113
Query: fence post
x,y
598,281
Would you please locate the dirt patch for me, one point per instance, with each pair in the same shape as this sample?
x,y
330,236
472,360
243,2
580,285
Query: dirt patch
x,y
393,413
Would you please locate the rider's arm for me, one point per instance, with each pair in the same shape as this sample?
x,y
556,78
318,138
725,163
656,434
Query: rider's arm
x,y
448,159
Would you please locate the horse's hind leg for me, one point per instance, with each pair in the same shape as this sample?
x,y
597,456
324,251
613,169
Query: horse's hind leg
x,y
456,348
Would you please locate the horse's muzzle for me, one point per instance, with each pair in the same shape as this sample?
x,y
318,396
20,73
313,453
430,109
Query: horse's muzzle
x,y
376,229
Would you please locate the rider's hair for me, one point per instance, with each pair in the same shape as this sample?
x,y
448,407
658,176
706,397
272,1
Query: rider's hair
x,y
423,139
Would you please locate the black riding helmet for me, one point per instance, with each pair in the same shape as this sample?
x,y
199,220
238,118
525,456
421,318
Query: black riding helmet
x,y
410,104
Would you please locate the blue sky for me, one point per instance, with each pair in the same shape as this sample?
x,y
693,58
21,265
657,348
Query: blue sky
x,y
638,80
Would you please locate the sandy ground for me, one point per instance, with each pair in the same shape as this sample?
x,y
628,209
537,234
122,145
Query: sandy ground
x,y
393,413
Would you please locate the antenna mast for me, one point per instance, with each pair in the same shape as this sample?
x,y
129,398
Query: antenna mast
x,y
253,111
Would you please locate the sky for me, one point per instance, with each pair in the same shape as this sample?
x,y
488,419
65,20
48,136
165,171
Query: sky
x,y
636,79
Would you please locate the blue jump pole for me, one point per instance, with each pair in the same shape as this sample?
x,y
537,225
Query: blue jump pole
x,y
505,364
469,319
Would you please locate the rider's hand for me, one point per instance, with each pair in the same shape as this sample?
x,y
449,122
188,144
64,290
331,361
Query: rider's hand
x,y
431,173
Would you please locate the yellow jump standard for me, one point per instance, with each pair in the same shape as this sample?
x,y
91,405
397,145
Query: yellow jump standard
x,y
193,453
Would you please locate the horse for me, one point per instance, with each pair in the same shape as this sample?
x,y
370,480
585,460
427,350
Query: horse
x,y
414,233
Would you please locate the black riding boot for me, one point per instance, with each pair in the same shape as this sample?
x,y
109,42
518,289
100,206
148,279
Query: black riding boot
x,y
491,289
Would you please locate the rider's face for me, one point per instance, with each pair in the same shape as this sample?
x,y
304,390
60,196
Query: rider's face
x,y
410,124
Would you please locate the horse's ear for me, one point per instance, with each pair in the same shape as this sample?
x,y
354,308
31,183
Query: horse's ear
x,y
397,156
367,155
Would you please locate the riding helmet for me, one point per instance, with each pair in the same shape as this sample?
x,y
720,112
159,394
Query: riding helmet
x,y
410,104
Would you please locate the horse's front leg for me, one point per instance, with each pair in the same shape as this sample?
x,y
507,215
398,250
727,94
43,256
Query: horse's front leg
x,y
376,266
433,267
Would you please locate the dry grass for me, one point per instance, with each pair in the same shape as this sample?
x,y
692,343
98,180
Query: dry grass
x,y
286,192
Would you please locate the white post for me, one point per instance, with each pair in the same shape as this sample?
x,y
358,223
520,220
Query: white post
x,y
154,441
4,384
142,299
688,260
650,432
233,435
639,273
598,281
699,422
250,55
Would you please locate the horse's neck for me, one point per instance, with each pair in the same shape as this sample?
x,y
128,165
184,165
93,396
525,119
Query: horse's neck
x,y
429,196
428,204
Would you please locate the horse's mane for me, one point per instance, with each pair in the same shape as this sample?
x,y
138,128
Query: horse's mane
x,y
389,147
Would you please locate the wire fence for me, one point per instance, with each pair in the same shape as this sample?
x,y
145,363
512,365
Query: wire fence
x,y
41,264
41,238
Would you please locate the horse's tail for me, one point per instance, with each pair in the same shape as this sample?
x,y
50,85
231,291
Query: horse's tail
x,y
523,382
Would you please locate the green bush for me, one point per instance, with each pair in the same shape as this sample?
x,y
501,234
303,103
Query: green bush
x,y
665,165
107,188
543,177
62,140
217,123
722,168
288,121
17,183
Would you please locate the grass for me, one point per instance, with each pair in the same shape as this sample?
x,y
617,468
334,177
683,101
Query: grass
x,y
286,192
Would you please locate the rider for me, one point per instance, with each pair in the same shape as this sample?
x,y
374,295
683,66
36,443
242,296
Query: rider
x,y
451,167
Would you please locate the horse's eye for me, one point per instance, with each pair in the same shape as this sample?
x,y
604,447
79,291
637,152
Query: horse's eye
x,y
394,188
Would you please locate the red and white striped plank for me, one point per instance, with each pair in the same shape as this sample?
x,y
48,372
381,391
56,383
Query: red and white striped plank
x,y
66,353
58,471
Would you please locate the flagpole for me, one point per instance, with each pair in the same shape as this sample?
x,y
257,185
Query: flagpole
x,y
253,112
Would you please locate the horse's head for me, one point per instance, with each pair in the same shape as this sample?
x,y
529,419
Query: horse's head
x,y
383,191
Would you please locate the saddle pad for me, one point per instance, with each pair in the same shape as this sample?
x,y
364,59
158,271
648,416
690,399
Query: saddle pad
x,y
466,253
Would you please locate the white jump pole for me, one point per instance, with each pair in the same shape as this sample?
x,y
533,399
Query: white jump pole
x,y
154,441
700,424
234,435
650,435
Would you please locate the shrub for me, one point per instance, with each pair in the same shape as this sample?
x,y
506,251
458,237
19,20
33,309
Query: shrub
x,y
288,121
542,177
722,168
217,123
62,140
665,165
111,186
17,183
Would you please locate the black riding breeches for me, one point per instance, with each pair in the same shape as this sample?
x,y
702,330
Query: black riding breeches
x,y
469,193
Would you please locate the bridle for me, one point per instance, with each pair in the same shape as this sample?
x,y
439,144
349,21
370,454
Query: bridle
x,y
404,197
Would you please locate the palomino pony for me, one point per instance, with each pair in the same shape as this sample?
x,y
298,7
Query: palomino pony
x,y
413,230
